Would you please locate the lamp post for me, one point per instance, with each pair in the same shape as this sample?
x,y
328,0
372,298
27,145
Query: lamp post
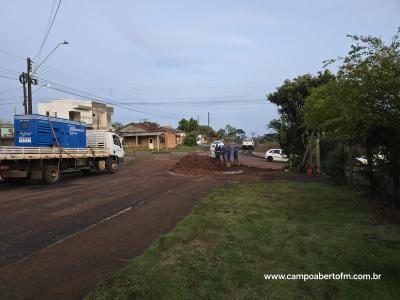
x,y
59,44
30,80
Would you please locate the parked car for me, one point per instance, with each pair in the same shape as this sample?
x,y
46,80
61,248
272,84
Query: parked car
x,y
375,159
248,144
213,145
276,155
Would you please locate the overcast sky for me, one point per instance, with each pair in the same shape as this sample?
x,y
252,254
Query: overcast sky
x,y
221,57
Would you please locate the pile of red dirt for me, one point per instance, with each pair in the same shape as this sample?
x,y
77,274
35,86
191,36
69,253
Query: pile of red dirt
x,y
199,164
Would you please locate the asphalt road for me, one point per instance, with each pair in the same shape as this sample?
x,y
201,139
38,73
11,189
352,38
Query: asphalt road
x,y
58,241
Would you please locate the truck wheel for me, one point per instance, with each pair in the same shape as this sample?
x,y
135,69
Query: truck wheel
x,y
270,159
113,168
51,174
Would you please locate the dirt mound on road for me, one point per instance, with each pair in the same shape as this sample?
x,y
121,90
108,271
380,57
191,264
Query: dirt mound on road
x,y
199,164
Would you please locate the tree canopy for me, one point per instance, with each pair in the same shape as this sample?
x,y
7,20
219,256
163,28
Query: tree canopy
x,y
187,126
290,99
363,104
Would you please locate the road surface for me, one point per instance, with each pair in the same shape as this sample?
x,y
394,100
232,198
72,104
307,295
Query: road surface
x,y
59,241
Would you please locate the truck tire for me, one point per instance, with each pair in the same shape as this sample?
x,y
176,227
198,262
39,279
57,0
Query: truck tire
x,y
113,168
51,174
270,159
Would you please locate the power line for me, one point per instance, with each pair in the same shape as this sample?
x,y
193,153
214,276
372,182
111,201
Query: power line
x,y
53,3
9,90
89,96
8,77
48,31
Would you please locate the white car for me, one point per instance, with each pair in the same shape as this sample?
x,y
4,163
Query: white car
x,y
248,144
213,145
276,155
375,159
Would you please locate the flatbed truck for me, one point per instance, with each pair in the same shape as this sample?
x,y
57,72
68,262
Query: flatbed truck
x,y
104,152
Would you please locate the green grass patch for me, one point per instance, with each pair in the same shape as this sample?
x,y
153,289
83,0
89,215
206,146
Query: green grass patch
x,y
245,230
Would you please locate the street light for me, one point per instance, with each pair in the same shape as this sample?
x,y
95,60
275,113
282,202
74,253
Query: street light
x,y
59,44
27,79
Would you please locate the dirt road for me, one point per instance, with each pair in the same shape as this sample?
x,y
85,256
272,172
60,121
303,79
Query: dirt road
x,y
59,241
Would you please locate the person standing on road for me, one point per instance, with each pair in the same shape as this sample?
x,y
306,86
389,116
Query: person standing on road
x,y
236,154
228,153
217,152
223,153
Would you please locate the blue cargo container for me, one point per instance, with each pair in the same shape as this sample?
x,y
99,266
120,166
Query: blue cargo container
x,y
44,131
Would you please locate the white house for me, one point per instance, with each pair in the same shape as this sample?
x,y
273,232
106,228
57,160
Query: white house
x,y
95,114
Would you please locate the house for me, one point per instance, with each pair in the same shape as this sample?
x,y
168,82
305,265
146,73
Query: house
x,y
180,134
95,114
148,136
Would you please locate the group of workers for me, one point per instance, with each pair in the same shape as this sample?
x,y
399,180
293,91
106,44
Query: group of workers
x,y
223,153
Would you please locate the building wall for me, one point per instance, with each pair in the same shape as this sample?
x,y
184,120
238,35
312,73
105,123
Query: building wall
x,y
96,115
166,140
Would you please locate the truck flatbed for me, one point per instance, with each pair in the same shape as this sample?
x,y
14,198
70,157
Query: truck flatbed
x,y
29,153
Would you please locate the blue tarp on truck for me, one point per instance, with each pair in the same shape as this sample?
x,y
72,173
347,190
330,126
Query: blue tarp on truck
x,y
45,131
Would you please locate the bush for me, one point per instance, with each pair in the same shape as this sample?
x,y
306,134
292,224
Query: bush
x,y
191,139
334,166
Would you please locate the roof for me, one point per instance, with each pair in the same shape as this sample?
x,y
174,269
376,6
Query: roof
x,y
153,133
136,128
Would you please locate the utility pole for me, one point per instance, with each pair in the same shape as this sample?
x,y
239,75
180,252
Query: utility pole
x,y
208,120
29,81
23,79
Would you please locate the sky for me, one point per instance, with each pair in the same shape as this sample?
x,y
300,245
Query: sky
x,y
168,60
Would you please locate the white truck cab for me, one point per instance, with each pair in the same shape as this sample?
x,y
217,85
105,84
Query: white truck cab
x,y
248,144
109,141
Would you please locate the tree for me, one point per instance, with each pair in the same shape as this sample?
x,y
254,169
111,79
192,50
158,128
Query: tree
x,y
187,126
150,123
206,131
116,125
363,104
279,128
290,98
191,139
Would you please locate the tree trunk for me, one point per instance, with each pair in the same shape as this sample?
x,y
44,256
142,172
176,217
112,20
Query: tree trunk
x,y
317,155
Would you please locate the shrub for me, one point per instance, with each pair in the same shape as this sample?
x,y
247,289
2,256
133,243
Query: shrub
x,y
334,166
191,139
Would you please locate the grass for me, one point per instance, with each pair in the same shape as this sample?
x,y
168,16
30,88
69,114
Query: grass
x,y
244,230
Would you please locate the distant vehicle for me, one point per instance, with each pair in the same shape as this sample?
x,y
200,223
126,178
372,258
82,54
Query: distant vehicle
x,y
213,145
375,159
248,144
276,155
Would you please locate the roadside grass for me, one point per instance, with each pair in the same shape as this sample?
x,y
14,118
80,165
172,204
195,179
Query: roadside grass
x,y
245,230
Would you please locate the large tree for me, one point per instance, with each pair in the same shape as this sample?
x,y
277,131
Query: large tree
x,y
187,126
363,104
290,99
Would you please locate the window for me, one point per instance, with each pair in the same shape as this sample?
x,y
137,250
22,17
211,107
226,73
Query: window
x,y
116,140
162,140
55,114
74,115
277,152
47,113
